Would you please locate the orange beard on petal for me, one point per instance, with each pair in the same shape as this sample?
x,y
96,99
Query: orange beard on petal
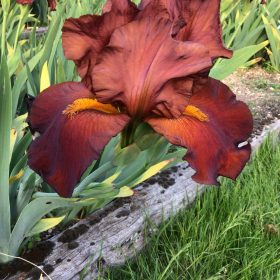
x,y
193,111
83,104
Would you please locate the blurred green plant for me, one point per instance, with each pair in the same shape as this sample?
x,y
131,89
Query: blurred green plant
x,y
247,25
273,35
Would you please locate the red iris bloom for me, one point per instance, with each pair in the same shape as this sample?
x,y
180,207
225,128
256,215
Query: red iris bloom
x,y
51,3
25,2
141,64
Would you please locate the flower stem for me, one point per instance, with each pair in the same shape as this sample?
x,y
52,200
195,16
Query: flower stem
x,y
127,135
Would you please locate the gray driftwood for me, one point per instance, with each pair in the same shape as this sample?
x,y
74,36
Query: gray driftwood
x,y
40,31
119,234
116,232
272,128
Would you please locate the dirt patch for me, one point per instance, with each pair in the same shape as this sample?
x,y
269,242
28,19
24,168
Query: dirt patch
x,y
261,91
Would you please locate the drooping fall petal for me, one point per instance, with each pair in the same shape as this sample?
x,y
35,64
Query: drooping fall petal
x,y
194,20
212,128
140,59
67,145
83,38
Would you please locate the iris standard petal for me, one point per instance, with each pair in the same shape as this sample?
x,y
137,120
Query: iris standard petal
x,y
213,126
68,143
83,38
162,8
193,20
203,26
140,59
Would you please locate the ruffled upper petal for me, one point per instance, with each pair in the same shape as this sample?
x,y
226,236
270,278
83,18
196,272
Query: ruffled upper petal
x,y
162,8
140,59
203,26
83,38
193,20
212,131
67,145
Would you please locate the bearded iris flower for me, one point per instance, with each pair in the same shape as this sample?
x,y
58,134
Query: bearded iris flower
x,y
25,2
51,3
141,64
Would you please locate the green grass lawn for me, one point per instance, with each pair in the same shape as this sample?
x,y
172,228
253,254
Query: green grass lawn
x,y
230,232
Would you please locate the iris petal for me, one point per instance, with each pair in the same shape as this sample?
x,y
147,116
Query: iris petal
x,y
83,38
140,59
67,146
203,26
52,5
194,20
171,9
213,145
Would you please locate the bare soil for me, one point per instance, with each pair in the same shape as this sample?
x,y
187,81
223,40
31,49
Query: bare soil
x,y
261,91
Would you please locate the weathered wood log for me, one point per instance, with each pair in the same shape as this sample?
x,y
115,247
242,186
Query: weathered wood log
x,y
114,234
40,31
272,128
